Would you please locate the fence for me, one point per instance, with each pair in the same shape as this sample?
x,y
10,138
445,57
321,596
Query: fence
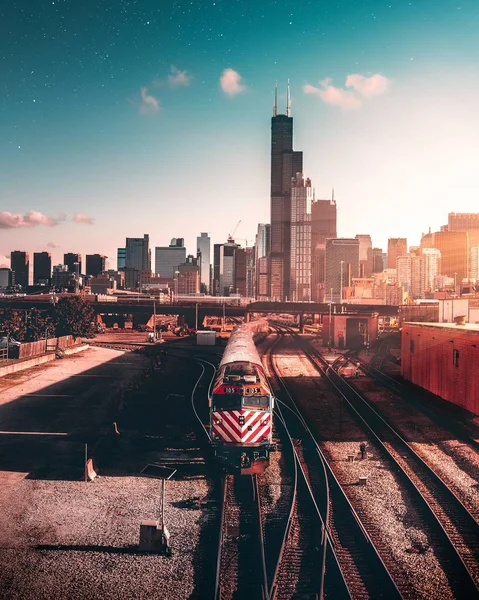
x,y
47,345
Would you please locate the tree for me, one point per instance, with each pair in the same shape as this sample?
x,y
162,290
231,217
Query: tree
x,y
12,322
74,316
38,323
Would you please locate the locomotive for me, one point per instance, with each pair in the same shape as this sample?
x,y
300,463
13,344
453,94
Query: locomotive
x,y
241,405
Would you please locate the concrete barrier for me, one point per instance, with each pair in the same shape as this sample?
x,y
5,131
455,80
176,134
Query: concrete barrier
x,y
21,365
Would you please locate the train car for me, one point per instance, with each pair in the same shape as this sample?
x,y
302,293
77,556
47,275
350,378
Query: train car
x,y
242,404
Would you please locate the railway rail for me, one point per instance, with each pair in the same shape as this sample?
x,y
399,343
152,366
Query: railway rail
x,y
454,531
347,565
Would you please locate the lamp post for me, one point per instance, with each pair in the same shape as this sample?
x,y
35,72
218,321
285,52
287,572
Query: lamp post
x,y
329,324
176,285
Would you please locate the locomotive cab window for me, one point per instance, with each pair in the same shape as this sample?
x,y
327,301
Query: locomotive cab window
x,y
256,401
227,401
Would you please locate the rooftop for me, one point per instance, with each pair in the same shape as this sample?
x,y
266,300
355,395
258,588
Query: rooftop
x,y
465,327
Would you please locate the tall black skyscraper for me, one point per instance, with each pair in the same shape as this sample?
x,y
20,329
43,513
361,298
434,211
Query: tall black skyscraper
x,y
285,163
42,267
20,264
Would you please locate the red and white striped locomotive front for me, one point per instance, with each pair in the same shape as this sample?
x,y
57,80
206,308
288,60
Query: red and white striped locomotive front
x,y
241,416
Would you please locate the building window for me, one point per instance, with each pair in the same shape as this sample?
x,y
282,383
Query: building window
x,y
411,346
455,357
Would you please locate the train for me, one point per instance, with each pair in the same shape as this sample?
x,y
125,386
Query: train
x,y
242,405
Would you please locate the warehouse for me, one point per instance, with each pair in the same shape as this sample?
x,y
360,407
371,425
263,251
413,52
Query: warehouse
x,y
444,359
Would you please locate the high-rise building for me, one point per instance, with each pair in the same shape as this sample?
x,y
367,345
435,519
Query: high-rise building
x,y
432,267
474,263
239,286
203,245
167,258
300,276
70,259
411,269
5,277
138,253
121,259
95,264
396,247
365,255
342,264
224,268
323,227
262,250
465,222
378,261
454,249
285,163
20,265
189,276
42,268
62,277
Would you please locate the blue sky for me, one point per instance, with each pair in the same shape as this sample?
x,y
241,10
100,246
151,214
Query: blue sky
x,y
115,114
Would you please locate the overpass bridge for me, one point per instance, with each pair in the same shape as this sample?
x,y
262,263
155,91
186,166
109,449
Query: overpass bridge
x,y
141,309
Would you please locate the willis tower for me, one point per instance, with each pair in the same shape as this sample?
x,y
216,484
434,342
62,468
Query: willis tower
x,y
285,163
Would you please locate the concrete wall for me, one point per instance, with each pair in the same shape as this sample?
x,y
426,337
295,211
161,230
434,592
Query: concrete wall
x,y
443,360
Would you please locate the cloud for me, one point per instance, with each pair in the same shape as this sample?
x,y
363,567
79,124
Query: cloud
x,y
230,82
177,78
52,245
333,95
4,261
79,218
368,86
149,104
33,218
360,88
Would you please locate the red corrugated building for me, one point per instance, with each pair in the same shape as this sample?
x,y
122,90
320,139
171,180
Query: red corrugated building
x,y
444,359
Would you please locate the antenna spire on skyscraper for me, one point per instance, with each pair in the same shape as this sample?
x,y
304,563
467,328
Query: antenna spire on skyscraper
x,y
288,101
332,195
275,105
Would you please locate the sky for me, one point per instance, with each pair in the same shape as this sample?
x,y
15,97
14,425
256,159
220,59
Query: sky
x,y
124,117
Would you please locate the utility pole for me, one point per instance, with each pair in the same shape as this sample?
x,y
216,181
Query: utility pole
x,y
154,320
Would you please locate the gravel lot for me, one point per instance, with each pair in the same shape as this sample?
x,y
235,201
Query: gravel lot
x,y
63,538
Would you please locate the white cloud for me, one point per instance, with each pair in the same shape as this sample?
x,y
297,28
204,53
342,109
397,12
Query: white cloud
x,y
33,218
80,218
375,85
4,261
360,87
333,95
177,78
149,104
52,245
230,82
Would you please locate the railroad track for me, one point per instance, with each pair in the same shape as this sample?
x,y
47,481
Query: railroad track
x,y
323,524
454,531
240,566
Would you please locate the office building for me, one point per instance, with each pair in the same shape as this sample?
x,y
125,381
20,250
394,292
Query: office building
x,y
465,222
262,250
203,253
121,259
224,268
62,277
454,249
300,274
323,227
5,278
285,163
342,264
474,263
95,264
365,255
138,253
20,265
378,260
396,247
239,286
432,267
42,268
73,262
168,258
189,276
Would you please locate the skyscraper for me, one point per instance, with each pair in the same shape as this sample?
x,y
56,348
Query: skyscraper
x,y
378,262
69,259
121,259
95,264
285,163
167,258
42,268
323,227
224,268
20,265
300,276
203,245
465,222
454,248
342,264
138,254
365,255
396,247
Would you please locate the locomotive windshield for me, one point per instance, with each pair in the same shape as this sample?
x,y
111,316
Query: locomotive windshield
x,y
230,402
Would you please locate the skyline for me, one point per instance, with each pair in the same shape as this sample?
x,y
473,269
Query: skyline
x,y
113,109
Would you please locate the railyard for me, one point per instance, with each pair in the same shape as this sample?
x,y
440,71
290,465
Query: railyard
x,y
64,537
